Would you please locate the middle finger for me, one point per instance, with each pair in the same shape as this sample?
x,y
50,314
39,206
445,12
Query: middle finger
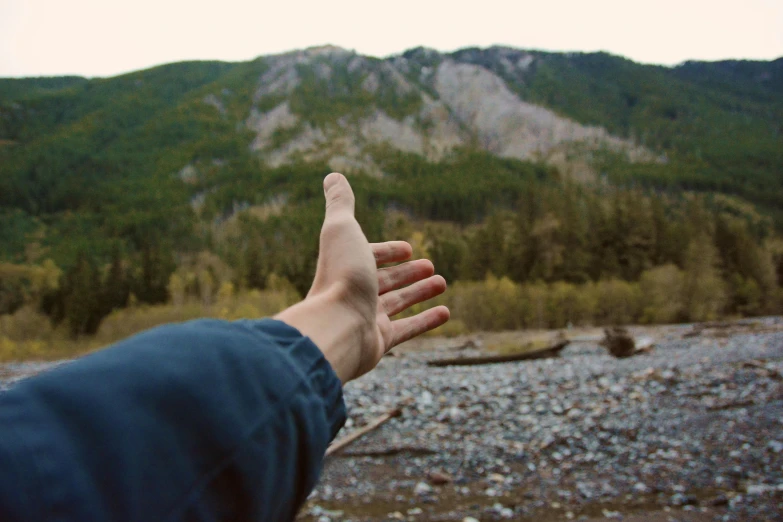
x,y
404,274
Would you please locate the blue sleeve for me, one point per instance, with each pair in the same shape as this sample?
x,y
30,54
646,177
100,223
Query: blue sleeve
x,y
205,421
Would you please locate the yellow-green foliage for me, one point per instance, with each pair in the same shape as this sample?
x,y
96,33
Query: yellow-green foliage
x,y
253,304
570,304
616,302
21,284
663,295
500,304
27,334
493,304
453,328
661,288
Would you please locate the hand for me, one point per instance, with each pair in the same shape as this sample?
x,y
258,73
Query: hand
x,y
348,310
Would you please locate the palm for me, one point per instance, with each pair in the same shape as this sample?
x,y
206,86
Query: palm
x,y
346,259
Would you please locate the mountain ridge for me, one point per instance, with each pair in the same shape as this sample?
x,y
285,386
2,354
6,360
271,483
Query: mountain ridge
x,y
181,132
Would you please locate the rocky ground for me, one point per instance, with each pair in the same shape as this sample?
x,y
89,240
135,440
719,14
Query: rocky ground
x,y
690,431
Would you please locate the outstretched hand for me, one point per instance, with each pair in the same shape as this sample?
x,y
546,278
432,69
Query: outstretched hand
x,y
348,310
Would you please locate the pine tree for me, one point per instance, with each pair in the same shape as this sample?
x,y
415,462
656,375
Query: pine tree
x,y
116,287
81,298
704,292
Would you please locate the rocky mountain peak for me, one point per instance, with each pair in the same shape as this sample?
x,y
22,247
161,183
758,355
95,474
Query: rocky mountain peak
x,y
419,102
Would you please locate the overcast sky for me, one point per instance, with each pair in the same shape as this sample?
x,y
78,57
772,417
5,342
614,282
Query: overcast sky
x,y
108,37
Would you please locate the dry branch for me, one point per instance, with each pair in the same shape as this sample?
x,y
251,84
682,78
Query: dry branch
x,y
758,365
390,452
340,444
728,405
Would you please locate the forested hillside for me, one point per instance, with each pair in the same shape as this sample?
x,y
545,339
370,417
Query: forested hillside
x,y
587,187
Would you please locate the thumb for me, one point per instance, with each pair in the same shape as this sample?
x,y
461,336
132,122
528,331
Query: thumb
x,y
339,196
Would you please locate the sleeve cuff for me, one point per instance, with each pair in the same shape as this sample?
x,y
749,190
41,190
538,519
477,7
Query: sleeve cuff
x,y
306,356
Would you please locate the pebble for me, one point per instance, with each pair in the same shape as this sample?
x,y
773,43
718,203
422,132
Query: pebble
x,y
422,488
439,478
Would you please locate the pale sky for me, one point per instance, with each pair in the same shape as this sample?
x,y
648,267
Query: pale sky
x,y
109,37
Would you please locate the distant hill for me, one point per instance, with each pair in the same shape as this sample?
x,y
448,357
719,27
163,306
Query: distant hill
x,y
144,154
578,187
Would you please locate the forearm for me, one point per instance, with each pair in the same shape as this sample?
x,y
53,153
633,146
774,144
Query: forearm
x,y
202,421
333,327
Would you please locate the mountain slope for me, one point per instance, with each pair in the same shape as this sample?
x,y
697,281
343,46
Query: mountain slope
x,y
132,158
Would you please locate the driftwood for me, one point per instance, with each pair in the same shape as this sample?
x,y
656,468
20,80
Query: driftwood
x,y
729,405
693,332
758,365
621,343
552,351
340,444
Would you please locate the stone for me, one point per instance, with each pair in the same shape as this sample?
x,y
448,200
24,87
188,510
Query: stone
x,y
422,488
439,478
496,478
761,489
720,500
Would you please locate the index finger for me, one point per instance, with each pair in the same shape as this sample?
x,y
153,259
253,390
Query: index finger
x,y
391,252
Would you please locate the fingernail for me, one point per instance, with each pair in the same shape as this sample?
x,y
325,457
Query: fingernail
x,y
331,180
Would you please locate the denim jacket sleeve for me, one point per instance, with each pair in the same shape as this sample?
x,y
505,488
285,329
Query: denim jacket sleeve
x,y
206,421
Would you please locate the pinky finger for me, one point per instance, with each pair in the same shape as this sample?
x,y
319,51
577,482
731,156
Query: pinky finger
x,y
410,327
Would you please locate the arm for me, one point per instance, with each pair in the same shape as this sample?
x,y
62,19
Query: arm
x,y
202,421
212,420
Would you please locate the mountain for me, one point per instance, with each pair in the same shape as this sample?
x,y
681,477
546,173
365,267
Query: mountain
x,y
67,143
133,156
531,165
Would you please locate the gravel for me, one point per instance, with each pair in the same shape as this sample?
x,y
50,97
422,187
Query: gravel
x,y
694,425
691,430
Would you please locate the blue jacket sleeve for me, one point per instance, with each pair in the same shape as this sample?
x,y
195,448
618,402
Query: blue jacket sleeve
x,y
205,421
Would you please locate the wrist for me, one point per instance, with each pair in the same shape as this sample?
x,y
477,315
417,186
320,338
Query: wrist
x,y
335,328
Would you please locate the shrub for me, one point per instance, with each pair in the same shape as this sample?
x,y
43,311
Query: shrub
x,y
661,291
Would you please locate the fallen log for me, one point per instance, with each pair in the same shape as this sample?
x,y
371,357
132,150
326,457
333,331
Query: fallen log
x,y
551,351
348,439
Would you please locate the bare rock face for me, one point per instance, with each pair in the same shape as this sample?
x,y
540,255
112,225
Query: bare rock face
x,y
215,102
267,123
462,104
310,140
371,84
401,85
350,165
504,124
402,135
444,130
281,78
